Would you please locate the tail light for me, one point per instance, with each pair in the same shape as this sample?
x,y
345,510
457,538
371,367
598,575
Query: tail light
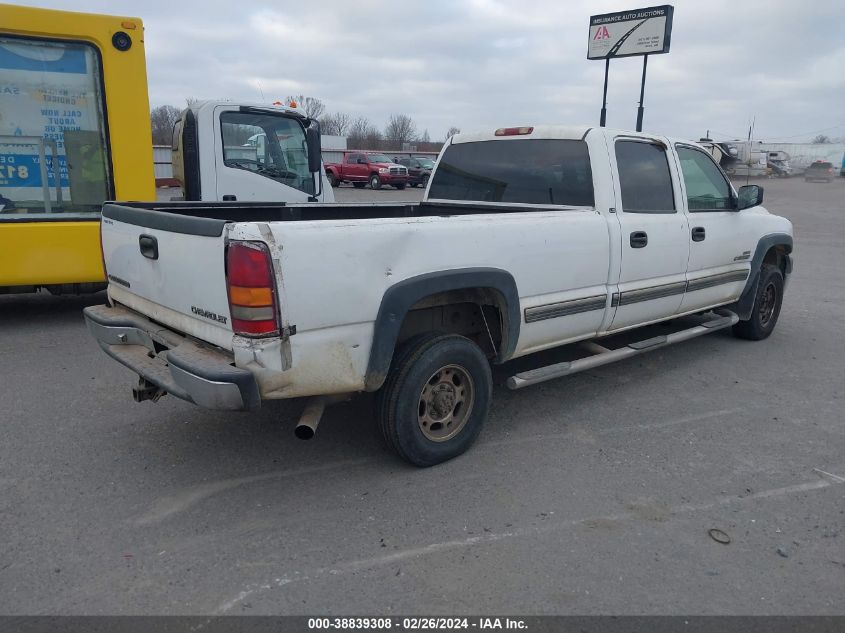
x,y
252,289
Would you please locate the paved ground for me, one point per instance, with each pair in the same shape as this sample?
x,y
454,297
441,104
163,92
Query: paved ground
x,y
590,494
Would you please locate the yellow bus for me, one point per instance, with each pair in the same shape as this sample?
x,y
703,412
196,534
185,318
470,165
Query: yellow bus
x,y
74,131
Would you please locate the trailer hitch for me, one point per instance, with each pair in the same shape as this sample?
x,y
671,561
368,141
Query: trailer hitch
x,y
145,390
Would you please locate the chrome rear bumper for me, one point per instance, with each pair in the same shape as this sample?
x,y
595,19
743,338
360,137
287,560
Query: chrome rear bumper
x,y
172,362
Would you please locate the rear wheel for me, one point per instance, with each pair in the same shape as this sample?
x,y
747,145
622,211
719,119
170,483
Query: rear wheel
x,y
425,180
435,399
375,182
766,310
359,185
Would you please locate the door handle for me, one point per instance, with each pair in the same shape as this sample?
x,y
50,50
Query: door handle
x,y
639,239
698,234
148,245
229,197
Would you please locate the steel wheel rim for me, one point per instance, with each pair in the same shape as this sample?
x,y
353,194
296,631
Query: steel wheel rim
x,y
445,404
767,304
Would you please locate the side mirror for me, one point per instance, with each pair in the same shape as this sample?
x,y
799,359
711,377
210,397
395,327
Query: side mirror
x,y
749,196
312,140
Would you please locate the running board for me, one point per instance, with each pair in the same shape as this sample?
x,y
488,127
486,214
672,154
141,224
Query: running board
x,y
542,374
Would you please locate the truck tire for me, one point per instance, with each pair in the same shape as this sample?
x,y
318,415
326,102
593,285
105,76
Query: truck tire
x,y
767,303
435,399
425,178
359,185
375,182
333,181
400,185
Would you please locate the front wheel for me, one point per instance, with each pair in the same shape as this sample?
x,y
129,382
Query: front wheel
x,y
766,310
435,399
424,182
375,182
332,179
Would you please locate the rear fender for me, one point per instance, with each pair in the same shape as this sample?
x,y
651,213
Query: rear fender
x,y
399,298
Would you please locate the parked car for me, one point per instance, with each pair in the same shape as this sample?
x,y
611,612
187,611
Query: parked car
x,y
527,239
362,168
419,169
780,168
819,170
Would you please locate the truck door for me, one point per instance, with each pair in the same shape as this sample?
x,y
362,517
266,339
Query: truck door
x,y
260,156
721,238
654,231
353,169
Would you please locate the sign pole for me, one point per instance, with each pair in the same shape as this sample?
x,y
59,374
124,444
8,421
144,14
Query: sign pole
x,y
637,32
642,93
603,118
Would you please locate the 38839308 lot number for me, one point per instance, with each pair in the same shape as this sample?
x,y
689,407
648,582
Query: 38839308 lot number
x,y
407,624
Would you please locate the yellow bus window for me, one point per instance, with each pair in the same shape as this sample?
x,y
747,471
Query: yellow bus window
x,y
53,150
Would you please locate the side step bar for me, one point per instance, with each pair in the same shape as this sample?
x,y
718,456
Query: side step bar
x,y
542,374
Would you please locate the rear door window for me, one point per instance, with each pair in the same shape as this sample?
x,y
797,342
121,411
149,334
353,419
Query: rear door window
x,y
525,171
53,151
644,177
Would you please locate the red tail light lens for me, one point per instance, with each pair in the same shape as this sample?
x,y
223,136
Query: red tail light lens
x,y
251,289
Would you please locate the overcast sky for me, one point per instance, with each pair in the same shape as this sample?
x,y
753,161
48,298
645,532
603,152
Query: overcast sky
x,y
479,64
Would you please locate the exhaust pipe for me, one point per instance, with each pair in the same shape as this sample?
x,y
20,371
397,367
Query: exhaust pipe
x,y
310,418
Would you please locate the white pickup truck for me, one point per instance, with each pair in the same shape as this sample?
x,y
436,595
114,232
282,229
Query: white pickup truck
x,y
528,238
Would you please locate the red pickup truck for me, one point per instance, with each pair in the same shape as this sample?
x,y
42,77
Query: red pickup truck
x,y
361,168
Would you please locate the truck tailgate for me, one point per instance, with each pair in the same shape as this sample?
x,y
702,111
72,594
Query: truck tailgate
x,y
170,268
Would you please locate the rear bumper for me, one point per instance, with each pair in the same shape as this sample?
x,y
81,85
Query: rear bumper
x,y
172,362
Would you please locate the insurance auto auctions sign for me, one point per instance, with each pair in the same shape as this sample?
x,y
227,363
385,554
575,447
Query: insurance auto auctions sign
x,y
637,32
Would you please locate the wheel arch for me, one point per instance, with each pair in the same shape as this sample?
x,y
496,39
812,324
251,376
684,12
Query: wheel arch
x,y
400,298
775,249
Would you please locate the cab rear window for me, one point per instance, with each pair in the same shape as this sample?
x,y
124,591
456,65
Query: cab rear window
x,y
527,171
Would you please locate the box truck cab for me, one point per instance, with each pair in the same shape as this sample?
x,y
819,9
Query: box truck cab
x,y
228,151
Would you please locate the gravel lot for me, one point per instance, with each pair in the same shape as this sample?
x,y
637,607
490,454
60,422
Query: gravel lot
x,y
591,494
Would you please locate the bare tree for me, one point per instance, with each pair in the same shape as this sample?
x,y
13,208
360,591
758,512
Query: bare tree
x,y
363,134
314,108
162,119
821,139
336,124
452,131
400,129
